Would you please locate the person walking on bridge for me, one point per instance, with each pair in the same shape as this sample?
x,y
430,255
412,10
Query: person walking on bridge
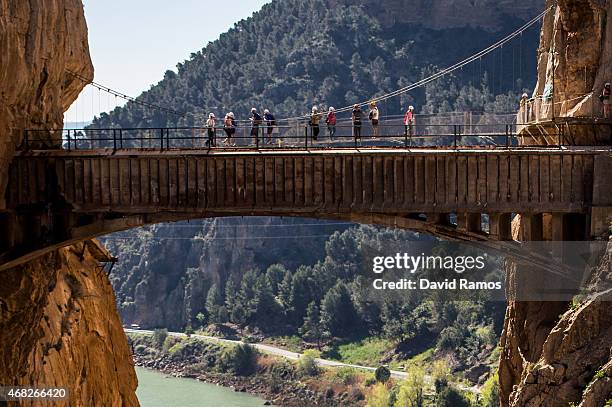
x,y
331,120
409,122
605,100
315,118
255,123
356,119
270,123
229,126
374,116
210,126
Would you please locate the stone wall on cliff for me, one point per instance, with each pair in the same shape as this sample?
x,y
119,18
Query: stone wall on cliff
x,y
58,321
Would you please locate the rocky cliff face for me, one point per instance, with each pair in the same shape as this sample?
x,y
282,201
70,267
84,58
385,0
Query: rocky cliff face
x,y
576,52
554,354
58,321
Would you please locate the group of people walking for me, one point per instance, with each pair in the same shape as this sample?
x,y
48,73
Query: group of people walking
x,y
268,123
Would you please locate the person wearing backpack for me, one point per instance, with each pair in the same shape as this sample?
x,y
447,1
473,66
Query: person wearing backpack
x,y
270,123
229,126
255,123
210,126
331,120
315,118
409,122
356,119
374,116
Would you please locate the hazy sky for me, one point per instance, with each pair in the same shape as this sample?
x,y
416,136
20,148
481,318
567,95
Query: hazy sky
x,y
132,43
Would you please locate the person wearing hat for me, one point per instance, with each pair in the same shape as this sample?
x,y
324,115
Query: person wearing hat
x,y
270,123
409,122
229,126
373,116
255,123
605,100
356,119
315,117
523,106
210,126
331,122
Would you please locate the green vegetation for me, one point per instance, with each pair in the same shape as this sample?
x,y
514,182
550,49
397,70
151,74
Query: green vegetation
x,y
379,396
307,365
382,374
366,352
241,360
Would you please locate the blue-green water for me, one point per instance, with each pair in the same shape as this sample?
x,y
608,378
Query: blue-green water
x,y
158,390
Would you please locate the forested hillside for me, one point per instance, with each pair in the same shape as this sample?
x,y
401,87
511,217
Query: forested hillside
x,y
296,53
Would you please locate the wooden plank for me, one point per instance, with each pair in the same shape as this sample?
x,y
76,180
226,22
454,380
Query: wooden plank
x,y
299,181
192,187
578,180
220,181
201,182
173,182
42,167
318,188
389,181
409,182
338,177
230,181
504,177
492,179
124,183
398,181
240,181
105,182
482,181
566,178
328,181
70,195
358,191
462,180
588,169
249,183
259,181
450,198
368,180
182,181
32,180
378,181
289,185
515,178
544,178
472,180
154,171
269,180
419,180
430,180
87,182
308,181
441,180
279,180
164,188
96,178
524,180
135,188
145,181
555,177
211,184
347,182
534,178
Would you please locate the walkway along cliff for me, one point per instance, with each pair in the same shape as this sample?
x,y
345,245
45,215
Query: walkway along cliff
x,y
58,321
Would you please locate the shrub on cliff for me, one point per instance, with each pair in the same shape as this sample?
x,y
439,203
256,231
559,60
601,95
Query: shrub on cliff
x,y
307,365
159,337
240,360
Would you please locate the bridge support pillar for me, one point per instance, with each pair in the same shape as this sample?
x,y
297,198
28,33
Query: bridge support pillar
x,y
470,222
500,226
532,227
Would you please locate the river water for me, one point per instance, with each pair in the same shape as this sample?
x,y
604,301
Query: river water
x,y
158,390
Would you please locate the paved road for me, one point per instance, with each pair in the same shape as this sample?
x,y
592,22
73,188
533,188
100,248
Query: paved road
x,y
272,350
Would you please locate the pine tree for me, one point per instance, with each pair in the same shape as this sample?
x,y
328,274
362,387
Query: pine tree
x,y
337,311
312,329
213,302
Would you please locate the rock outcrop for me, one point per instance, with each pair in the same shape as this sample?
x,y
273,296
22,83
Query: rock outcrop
x,y
60,328
58,321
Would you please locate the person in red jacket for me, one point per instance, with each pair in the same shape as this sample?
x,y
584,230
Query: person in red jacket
x,y
409,122
331,122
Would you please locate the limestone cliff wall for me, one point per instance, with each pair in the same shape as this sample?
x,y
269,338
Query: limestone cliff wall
x,y
58,321
576,51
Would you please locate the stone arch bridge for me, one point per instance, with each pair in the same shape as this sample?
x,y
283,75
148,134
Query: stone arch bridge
x,y
57,197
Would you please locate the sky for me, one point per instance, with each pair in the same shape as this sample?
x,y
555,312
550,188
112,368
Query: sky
x,y
132,43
